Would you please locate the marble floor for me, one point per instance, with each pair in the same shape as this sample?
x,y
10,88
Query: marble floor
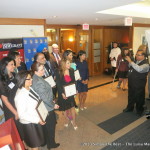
x,y
103,103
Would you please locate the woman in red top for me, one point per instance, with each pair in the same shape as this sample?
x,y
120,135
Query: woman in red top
x,y
64,77
122,68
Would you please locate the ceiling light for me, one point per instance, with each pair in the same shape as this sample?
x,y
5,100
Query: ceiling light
x,y
55,16
133,10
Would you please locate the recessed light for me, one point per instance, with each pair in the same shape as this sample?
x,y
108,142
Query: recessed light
x,y
55,16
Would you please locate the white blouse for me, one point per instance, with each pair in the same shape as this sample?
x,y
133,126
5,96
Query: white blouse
x,y
26,107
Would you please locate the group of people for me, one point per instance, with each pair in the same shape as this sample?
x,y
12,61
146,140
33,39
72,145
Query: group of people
x,y
22,90
135,70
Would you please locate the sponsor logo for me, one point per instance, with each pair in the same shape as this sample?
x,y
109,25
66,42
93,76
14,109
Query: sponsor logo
x,y
10,45
41,41
36,41
1,45
29,51
27,60
25,41
34,50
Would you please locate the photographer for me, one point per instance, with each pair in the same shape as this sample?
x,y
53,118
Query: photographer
x,y
122,68
136,82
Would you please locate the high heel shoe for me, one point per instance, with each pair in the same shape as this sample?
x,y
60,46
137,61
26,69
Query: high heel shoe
x,y
85,107
66,125
75,127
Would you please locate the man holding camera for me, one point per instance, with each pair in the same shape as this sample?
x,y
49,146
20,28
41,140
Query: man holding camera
x,y
136,83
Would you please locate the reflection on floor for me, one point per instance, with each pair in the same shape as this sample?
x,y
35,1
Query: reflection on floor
x,y
103,103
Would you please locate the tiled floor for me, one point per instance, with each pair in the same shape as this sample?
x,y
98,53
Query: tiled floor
x,y
103,103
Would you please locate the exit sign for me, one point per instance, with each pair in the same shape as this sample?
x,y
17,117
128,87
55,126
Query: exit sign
x,y
85,26
128,21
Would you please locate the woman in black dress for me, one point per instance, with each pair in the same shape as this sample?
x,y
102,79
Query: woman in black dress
x,y
82,85
65,76
8,87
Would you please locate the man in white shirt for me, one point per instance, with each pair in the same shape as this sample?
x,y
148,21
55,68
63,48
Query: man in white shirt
x,y
114,55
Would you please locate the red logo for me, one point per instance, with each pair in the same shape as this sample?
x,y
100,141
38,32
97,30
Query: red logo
x,y
1,45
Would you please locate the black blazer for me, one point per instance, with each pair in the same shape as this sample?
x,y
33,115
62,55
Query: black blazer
x,y
60,81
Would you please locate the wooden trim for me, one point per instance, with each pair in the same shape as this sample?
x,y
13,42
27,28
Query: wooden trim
x,y
21,21
141,25
60,26
45,33
115,27
131,31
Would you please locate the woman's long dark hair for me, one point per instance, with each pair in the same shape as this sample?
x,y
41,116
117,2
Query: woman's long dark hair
x,y
66,53
21,78
122,52
3,71
80,53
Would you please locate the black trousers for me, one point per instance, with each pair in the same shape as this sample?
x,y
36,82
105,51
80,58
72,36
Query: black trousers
x,y
54,92
136,95
113,70
49,129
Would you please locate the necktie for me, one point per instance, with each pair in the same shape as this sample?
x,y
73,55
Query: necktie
x,y
57,59
46,72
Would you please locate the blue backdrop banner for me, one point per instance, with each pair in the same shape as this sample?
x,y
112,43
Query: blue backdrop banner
x,y
31,47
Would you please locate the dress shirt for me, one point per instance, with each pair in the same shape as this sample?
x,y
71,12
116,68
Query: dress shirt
x,y
141,69
57,57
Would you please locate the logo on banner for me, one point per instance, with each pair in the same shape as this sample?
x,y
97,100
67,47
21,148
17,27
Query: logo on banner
x,y
41,41
32,58
25,41
31,41
45,40
34,50
29,50
36,41
4,55
27,60
10,45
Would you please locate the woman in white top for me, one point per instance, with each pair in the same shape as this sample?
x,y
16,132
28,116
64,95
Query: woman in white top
x,y
26,100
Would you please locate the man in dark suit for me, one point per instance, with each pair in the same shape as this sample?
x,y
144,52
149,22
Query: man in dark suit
x,y
50,64
39,57
55,55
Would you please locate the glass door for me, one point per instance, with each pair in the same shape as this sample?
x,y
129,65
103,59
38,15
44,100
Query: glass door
x,y
51,37
68,39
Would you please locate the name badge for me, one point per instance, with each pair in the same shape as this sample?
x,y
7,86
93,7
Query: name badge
x,y
11,85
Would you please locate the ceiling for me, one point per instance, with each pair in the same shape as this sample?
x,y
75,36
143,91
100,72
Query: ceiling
x,y
70,12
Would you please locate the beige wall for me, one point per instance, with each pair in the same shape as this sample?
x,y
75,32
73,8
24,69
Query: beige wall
x,y
138,33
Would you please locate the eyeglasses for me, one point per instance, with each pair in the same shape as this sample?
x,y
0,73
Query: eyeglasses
x,y
29,79
139,55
